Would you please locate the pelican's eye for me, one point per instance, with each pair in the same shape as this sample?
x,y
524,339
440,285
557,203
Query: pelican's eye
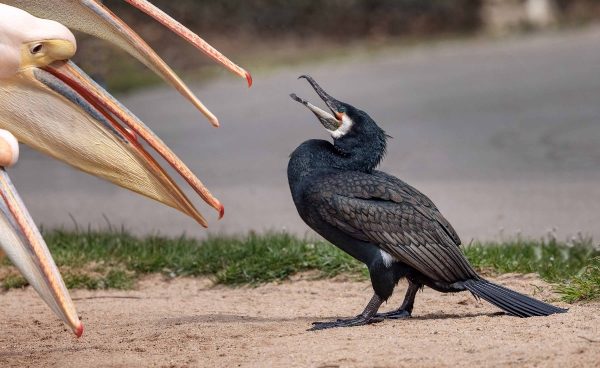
x,y
341,109
37,48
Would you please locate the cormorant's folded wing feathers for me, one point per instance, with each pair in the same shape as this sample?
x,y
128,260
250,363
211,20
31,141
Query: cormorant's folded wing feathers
x,y
423,200
394,216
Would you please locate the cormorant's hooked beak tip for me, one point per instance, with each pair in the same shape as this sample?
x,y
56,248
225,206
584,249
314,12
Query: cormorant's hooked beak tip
x,y
331,102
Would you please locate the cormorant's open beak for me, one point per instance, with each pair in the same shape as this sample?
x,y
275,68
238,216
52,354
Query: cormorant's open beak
x,y
25,247
91,17
61,112
329,121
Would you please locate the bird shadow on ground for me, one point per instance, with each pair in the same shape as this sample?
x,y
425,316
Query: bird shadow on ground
x,y
234,318
229,318
442,316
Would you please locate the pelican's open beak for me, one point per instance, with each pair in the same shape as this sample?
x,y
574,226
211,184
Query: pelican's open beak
x,y
61,112
190,37
91,17
25,247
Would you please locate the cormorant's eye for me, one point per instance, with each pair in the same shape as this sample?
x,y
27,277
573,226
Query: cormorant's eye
x,y
341,109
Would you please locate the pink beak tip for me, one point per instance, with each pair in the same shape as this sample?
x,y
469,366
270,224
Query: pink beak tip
x,y
221,211
249,79
79,330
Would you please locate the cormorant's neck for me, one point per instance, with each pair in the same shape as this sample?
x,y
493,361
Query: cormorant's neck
x,y
358,151
347,153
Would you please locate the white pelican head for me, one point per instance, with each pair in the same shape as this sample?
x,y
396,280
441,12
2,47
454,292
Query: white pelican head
x,y
27,41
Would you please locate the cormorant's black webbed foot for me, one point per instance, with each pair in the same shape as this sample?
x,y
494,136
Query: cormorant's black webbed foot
x,y
406,308
365,318
357,321
397,314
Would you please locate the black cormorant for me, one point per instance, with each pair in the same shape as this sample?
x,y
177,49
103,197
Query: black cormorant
x,y
380,220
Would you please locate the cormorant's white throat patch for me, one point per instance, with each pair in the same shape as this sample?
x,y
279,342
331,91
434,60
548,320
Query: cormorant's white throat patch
x,y
343,129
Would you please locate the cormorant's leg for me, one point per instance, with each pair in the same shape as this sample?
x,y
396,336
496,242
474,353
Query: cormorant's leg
x,y
366,317
407,306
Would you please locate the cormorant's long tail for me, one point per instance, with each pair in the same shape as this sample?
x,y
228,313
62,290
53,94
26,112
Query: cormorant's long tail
x,y
510,301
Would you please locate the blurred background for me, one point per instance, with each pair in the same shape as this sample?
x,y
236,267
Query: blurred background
x,y
293,31
493,106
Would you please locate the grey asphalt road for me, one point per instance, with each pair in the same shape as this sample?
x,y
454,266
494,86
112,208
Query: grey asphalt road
x,y
500,134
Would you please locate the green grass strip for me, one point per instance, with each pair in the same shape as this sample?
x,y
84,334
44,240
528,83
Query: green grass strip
x,y
232,260
584,286
552,260
114,259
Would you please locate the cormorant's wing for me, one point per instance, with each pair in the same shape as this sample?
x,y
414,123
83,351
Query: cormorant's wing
x,y
421,199
397,218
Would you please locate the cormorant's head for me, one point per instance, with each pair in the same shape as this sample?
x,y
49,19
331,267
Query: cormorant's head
x,y
342,116
352,129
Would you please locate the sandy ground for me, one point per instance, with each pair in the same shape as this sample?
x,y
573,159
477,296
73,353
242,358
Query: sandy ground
x,y
189,323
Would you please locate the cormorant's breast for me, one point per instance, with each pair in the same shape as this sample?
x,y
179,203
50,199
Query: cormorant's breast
x,y
308,157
